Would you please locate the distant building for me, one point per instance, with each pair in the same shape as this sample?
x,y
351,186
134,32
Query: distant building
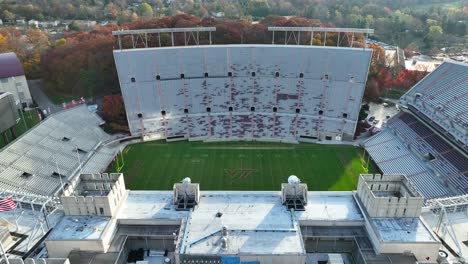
x,y
85,23
33,23
217,14
394,56
48,24
13,79
422,63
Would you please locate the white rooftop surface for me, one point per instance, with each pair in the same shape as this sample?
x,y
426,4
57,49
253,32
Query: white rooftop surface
x,y
147,205
26,220
330,206
402,230
79,228
459,225
257,223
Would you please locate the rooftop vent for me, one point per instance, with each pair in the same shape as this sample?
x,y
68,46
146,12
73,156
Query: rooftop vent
x,y
224,242
294,194
186,195
66,139
56,174
293,180
26,175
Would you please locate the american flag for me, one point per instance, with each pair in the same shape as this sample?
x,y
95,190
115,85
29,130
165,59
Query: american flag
x,y
7,204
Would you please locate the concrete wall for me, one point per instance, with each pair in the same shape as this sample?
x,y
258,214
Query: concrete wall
x,y
8,112
94,205
275,259
18,86
62,248
409,205
424,252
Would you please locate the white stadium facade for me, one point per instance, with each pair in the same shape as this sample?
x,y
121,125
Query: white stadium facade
x,y
70,211
265,92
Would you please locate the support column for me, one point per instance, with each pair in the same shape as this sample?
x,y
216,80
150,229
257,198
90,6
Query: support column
x,y
5,138
13,133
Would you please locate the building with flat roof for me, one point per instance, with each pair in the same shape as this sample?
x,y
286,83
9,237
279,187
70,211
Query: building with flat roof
x,y
246,226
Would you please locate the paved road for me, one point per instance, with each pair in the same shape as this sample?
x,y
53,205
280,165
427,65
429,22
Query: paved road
x,y
35,87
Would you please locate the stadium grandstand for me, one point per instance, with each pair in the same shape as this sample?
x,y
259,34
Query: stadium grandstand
x,y
231,92
427,140
34,167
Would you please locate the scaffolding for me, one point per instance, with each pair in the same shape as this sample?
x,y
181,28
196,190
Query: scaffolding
x,y
443,208
294,34
140,37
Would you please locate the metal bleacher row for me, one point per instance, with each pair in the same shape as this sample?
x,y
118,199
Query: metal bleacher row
x,y
392,156
441,100
445,160
428,140
242,91
36,161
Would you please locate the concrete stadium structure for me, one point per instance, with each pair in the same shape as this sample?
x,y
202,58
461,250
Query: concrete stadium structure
x,y
427,141
243,227
231,92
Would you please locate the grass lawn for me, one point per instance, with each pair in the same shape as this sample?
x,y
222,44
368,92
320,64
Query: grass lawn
x,y
59,99
394,93
158,165
31,119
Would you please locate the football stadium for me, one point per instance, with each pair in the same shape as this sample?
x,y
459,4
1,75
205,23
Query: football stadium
x,y
243,153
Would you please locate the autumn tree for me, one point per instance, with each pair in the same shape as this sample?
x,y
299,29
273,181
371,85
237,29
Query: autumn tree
x,y
113,108
407,79
29,48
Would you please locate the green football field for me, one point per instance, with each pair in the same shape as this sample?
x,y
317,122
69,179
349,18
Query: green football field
x,y
157,165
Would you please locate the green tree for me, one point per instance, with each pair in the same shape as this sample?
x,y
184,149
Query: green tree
x,y
434,33
145,10
8,15
60,42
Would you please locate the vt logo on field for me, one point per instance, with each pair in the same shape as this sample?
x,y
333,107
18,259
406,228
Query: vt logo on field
x,y
240,173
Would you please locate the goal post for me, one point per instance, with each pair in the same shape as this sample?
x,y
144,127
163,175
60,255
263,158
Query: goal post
x,y
119,161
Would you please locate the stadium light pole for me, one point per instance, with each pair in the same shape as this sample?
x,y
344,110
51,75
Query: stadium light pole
x,y
21,105
60,175
79,161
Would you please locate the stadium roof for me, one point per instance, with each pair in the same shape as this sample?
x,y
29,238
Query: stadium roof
x,y
10,65
256,221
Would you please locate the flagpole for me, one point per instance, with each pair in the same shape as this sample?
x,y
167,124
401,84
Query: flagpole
x,y
79,161
2,250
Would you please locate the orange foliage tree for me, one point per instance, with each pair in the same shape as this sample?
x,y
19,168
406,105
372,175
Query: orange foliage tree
x,y
29,48
113,108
